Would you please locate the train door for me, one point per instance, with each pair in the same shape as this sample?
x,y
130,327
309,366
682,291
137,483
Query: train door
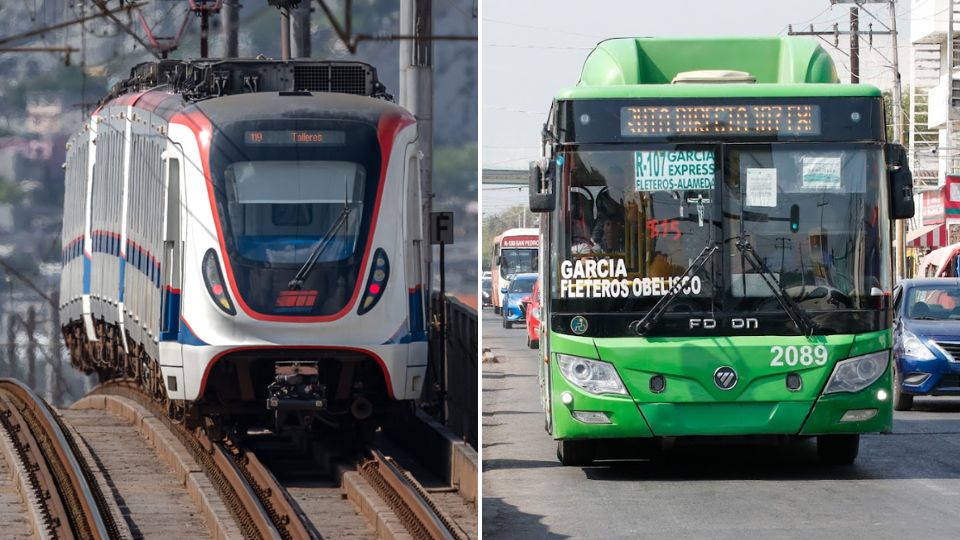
x,y
171,273
413,247
172,264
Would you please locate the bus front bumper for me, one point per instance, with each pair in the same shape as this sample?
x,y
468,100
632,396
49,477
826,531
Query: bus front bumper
x,y
578,415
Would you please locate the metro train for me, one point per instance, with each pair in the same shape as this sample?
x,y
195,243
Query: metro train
x,y
244,239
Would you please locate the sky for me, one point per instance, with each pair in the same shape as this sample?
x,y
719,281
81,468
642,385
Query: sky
x,y
532,48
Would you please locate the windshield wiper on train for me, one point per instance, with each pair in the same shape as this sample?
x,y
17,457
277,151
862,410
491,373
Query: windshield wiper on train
x,y
789,305
318,250
653,316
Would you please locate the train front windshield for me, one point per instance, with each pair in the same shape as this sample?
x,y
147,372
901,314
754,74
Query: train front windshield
x,y
634,221
291,191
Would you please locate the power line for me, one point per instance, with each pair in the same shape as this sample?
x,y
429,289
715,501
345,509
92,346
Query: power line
x,y
102,6
41,31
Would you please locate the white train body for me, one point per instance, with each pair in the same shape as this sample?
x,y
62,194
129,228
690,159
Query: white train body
x,y
156,184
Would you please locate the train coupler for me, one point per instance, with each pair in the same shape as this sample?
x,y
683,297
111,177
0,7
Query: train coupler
x,y
295,395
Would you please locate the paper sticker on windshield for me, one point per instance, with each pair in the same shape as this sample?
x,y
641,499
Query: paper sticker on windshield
x,y
761,187
674,170
821,173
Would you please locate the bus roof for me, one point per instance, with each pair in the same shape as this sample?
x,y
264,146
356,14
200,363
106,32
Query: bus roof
x,y
646,67
518,232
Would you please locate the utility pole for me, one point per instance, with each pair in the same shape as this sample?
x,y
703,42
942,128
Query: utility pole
x,y
897,97
231,27
947,151
284,33
901,261
11,343
855,45
58,386
416,95
204,8
854,32
300,34
284,6
31,329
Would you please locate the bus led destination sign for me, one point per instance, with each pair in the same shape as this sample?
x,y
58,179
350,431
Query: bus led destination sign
x,y
294,137
705,120
521,242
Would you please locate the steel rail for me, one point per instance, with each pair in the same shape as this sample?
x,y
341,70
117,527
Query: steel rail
x,y
296,522
409,501
253,496
232,471
55,519
79,498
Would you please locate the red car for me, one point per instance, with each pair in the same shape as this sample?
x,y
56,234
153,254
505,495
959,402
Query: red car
x,y
533,317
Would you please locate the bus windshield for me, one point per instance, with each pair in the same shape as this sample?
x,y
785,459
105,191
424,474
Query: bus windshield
x,y
634,221
518,261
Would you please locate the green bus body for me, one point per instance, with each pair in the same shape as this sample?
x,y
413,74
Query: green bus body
x,y
640,71
692,405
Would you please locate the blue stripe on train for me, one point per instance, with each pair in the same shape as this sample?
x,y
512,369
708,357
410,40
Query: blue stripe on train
x,y
170,319
187,337
123,272
415,322
417,331
177,329
86,274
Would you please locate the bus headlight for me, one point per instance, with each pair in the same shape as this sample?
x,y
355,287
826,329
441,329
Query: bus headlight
x,y
213,279
914,348
855,374
593,376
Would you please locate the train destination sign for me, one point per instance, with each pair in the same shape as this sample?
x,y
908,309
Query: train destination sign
x,y
288,137
704,120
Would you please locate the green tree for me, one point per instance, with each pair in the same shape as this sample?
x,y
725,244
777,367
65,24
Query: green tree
x,y
890,112
10,192
495,224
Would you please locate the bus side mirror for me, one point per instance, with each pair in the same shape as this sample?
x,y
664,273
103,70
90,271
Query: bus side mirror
x,y
900,180
542,192
499,260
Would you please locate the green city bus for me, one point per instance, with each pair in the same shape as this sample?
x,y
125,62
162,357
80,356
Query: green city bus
x,y
717,248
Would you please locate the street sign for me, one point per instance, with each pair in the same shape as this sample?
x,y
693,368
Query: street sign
x,y
441,227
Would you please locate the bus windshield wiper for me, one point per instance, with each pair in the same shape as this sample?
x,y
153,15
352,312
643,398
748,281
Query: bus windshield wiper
x,y
644,325
789,305
318,250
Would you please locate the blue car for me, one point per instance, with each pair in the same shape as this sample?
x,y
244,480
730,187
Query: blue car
x,y
516,298
926,347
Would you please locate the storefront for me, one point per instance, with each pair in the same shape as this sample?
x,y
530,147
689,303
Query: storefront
x,y
940,214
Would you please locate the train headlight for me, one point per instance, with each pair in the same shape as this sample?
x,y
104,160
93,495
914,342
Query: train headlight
x,y
855,374
593,376
376,281
213,279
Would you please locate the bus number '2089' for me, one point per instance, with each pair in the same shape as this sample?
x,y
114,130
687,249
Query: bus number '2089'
x,y
792,355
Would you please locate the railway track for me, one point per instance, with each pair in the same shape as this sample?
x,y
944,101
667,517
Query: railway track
x,y
64,500
265,508
408,499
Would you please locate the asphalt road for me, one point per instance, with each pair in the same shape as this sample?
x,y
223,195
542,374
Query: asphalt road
x,y
903,485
